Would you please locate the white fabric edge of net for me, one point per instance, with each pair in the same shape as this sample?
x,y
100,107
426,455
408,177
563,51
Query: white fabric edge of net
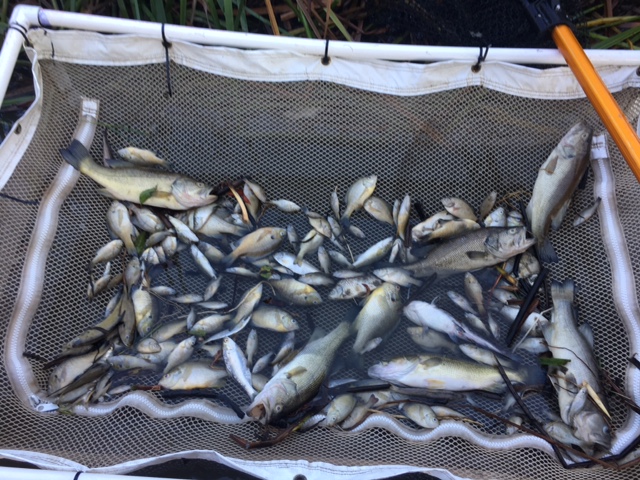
x,y
261,469
231,62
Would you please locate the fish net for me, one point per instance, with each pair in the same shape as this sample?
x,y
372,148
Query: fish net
x,y
299,135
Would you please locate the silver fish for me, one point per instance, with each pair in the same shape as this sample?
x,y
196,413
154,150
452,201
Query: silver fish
x,y
587,213
237,367
355,287
487,204
252,346
108,252
202,262
379,209
423,415
309,244
472,251
459,208
169,330
557,180
431,340
317,279
473,290
373,253
286,206
335,203
192,375
262,363
209,325
257,244
339,409
460,301
497,218
183,231
339,259
298,381
288,260
216,227
273,318
324,260
129,362
403,216
148,345
145,219
257,190
357,194
145,310
423,229
378,318
295,292
293,238
180,354
285,349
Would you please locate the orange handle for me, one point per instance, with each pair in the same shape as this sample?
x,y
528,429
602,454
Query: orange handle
x,y
605,105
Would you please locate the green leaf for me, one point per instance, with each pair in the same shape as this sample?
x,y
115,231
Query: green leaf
x,y
147,194
553,362
334,18
140,242
228,15
616,39
266,272
183,12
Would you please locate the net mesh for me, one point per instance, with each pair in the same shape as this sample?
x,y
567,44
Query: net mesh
x,y
299,140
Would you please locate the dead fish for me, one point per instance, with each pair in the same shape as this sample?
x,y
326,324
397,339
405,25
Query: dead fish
x,y
357,194
285,206
295,292
355,287
273,318
257,244
108,252
237,366
403,216
459,208
557,180
487,204
587,213
379,209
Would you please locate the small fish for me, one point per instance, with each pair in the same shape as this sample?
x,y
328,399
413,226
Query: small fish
x,y
139,156
309,244
335,203
535,345
346,274
274,319
258,381
97,287
481,355
202,262
213,305
247,303
145,311
317,279
262,363
157,237
293,238
213,254
180,354
169,330
145,219
244,272
476,323
163,290
119,223
514,219
557,180
357,194
459,208
169,246
252,346
257,244
295,292
423,415
396,248
355,287
336,228
285,349
460,301
473,290
422,230
488,204
529,266
216,227
587,213
212,288
129,362
379,209
212,350
187,298
358,414
108,252
237,367
200,216
373,253
497,218
193,375
451,228
403,216
378,318
132,272
356,232
209,325
148,345
257,190
324,260
252,203
431,340
339,409
191,318
183,231
339,259
285,206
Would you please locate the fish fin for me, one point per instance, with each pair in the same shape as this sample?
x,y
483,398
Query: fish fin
x,y
161,194
586,331
431,362
584,179
371,344
550,165
563,291
228,260
295,371
556,220
104,192
476,255
117,163
546,253
345,222
75,154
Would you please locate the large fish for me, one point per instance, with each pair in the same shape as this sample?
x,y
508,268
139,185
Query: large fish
x,y
437,372
299,380
170,190
567,341
558,178
471,251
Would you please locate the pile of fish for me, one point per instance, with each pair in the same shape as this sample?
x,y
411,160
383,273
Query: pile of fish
x,y
158,217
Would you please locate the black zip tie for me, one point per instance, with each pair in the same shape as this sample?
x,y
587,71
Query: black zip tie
x,y
326,60
635,362
22,31
166,46
19,200
77,475
481,58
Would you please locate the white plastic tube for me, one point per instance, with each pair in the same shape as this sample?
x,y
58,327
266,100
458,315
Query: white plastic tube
x,y
37,474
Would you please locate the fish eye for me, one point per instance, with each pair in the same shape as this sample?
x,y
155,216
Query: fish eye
x,y
347,292
199,184
278,408
513,231
273,237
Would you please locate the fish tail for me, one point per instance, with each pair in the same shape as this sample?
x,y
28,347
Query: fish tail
x,y
563,291
228,260
345,221
76,154
546,253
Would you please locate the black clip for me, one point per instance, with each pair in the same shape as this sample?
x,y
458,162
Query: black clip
x,y
481,58
326,60
166,46
22,31
77,475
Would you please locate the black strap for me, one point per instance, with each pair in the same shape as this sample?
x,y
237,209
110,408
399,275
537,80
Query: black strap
x,y
481,58
77,476
23,31
326,60
166,46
